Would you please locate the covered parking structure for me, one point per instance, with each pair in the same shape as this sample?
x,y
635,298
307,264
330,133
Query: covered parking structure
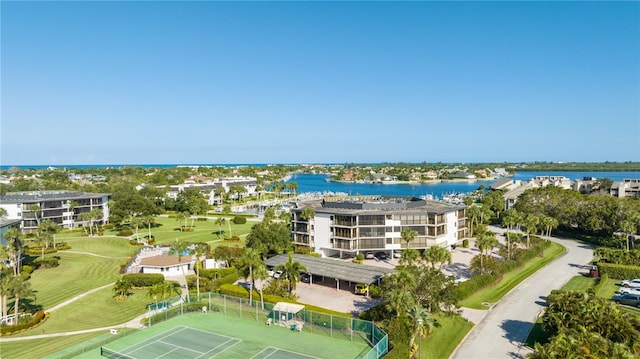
x,y
334,268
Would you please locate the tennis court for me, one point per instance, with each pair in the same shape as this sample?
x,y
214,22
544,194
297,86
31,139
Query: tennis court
x,y
189,343
217,336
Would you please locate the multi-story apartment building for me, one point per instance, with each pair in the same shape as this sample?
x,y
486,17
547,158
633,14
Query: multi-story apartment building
x,y
348,226
62,207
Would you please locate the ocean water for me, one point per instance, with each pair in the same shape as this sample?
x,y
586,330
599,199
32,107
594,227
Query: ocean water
x,y
317,183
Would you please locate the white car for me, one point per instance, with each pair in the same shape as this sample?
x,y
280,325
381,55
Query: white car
x,y
277,274
635,291
634,283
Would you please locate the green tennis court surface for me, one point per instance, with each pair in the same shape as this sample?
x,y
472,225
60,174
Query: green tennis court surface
x,y
217,336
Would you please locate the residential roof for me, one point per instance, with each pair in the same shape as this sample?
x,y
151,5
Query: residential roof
x,y
164,261
288,307
38,196
8,222
501,183
334,268
379,204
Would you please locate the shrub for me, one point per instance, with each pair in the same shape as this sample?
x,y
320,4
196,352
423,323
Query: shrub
x,y
466,288
143,279
125,233
201,219
465,243
360,256
619,271
233,239
27,269
216,273
35,320
134,242
37,251
230,279
46,262
239,220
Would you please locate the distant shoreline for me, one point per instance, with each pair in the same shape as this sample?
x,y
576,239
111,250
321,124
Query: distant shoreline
x,y
447,180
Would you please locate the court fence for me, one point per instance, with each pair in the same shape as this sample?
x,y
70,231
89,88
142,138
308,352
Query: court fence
x,y
303,320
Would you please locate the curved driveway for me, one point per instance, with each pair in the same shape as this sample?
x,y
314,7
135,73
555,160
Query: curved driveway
x,y
503,330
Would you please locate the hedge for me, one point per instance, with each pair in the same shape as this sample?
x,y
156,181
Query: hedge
x,y
143,279
230,279
465,289
37,251
619,271
46,262
239,220
216,273
36,320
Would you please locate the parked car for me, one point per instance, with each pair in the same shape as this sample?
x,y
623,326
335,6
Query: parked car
x,y
397,254
278,274
634,283
305,277
623,290
382,256
627,299
362,288
369,255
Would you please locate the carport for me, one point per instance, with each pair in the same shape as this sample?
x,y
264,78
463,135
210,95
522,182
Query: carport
x,y
333,268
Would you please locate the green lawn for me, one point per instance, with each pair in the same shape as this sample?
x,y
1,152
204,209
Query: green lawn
x,y
445,338
580,283
98,309
511,279
38,348
76,274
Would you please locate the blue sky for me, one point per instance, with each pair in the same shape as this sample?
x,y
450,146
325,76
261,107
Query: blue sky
x,y
305,82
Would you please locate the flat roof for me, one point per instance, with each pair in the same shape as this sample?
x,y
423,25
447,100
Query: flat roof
x,y
39,196
334,268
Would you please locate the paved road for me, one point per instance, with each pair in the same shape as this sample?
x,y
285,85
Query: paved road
x,y
503,330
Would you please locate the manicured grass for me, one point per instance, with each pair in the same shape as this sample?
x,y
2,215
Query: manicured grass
x,y
511,279
537,335
167,230
96,310
104,246
38,348
76,274
445,337
580,284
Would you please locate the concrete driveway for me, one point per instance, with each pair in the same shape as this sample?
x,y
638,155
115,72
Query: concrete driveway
x,y
501,333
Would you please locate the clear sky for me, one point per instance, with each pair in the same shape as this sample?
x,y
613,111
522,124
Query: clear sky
x,y
309,82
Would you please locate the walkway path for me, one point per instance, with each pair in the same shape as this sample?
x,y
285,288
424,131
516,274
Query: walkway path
x,y
501,333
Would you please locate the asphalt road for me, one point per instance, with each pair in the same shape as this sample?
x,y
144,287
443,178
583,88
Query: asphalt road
x,y
503,330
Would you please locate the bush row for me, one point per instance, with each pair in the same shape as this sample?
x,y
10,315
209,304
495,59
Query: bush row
x,y
602,281
36,320
143,279
466,288
239,220
46,262
619,271
232,239
216,273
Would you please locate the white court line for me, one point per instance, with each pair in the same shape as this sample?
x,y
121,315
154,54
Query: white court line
x,y
292,352
153,339
180,347
169,352
222,351
210,333
260,352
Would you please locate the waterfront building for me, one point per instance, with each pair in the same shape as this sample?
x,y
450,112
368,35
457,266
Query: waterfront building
x,y
208,187
62,207
626,188
347,226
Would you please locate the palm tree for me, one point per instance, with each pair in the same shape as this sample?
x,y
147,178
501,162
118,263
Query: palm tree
x,y
509,219
408,235
3,212
160,291
136,222
260,273
485,243
94,214
422,323
4,294
178,248
437,254
248,262
122,288
531,222
398,300
19,288
14,248
44,235
35,208
291,271
409,257
72,206
180,216
149,220
219,221
198,250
